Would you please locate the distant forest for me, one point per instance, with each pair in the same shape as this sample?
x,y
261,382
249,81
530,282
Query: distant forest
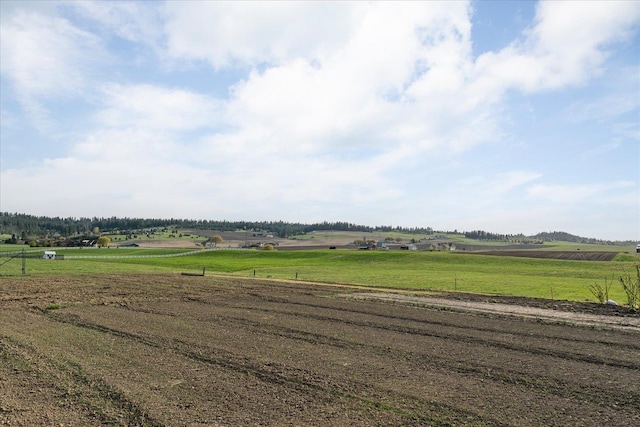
x,y
30,225
22,226
553,236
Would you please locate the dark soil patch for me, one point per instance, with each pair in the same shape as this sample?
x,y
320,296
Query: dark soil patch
x,y
570,255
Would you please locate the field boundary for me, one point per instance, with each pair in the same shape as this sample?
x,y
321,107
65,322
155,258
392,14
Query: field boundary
x,y
583,319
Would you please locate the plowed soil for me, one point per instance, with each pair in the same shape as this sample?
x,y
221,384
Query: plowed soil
x,y
570,255
172,350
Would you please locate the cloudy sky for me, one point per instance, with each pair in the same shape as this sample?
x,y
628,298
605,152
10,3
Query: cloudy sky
x,y
503,116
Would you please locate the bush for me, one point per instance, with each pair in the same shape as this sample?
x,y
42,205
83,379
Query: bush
x,y
631,286
269,247
601,294
104,241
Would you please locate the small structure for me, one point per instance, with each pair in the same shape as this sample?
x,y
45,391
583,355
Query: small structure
x,y
194,274
638,249
129,245
369,246
49,255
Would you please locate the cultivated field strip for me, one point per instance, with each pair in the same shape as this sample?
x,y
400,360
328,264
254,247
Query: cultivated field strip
x,y
238,383
467,366
274,327
184,351
608,361
60,391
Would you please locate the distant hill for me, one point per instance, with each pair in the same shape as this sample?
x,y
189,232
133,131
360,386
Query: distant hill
x,y
561,236
553,236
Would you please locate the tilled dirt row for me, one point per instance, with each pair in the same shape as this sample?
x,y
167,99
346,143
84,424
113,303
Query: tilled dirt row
x,y
572,255
171,350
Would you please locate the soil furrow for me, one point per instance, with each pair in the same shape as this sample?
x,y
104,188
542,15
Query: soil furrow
x,y
74,388
166,349
416,411
484,339
528,333
416,359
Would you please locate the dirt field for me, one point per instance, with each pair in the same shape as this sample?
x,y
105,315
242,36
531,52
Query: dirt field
x,y
172,350
572,255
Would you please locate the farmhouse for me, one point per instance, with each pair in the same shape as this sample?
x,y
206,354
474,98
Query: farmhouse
x,y
370,246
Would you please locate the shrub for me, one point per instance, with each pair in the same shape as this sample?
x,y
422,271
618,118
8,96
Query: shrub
x,y
269,247
631,286
601,294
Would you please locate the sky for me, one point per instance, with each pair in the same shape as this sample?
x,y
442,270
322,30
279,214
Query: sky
x,y
508,117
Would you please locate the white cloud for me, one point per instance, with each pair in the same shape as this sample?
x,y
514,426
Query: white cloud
x,y
498,184
610,106
600,150
133,21
236,34
566,45
45,58
378,89
156,108
46,55
577,193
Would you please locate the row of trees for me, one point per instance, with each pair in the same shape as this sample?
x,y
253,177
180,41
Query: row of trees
x,y
485,235
30,225
24,226
561,236
539,238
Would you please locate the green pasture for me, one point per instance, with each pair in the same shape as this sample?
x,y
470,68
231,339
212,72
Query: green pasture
x,y
358,235
182,236
436,271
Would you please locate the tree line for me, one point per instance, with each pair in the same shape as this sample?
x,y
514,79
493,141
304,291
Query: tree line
x,y
23,225
553,236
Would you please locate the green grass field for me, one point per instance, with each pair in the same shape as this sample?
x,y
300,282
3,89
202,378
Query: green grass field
x,y
543,278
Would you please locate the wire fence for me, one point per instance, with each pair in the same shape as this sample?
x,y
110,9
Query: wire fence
x,y
40,254
199,251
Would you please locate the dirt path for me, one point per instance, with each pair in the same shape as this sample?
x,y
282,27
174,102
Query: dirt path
x,y
569,317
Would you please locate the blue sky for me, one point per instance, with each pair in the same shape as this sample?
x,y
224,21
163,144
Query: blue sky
x,y
510,117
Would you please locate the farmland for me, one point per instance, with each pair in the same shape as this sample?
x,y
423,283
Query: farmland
x,y
314,337
167,349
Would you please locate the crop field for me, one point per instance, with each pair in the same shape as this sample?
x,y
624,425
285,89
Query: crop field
x,y
121,336
174,350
